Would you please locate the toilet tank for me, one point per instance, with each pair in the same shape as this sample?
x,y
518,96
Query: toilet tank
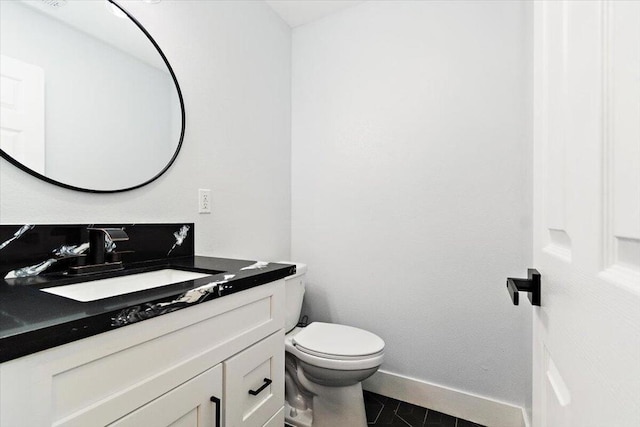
x,y
294,294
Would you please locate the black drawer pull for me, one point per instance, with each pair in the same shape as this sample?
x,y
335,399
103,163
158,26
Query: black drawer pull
x,y
217,402
267,381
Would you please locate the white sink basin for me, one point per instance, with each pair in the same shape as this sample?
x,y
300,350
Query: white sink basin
x,y
105,288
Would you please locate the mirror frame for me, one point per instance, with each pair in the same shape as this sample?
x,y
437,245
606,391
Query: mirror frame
x,y
33,173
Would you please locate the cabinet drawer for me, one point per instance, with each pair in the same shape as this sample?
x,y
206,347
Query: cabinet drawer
x,y
254,383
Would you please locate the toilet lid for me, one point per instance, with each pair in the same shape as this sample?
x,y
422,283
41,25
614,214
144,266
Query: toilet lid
x,y
337,340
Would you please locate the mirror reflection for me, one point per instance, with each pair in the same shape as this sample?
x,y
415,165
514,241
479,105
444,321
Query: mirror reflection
x,y
87,99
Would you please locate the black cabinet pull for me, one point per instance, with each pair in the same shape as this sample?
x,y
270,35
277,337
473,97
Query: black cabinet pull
x,y
267,381
217,402
531,285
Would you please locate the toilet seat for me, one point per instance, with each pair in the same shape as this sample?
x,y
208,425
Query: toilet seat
x,y
333,346
337,341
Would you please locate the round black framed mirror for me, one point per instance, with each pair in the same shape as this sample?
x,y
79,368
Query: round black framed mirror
x,y
89,100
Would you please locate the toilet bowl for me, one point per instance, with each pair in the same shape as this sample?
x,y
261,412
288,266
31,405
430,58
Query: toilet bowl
x,y
325,364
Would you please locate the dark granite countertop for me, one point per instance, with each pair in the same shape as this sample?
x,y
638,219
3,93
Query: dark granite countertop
x,y
32,320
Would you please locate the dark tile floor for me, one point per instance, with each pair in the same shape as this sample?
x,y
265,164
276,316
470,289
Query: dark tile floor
x,y
385,411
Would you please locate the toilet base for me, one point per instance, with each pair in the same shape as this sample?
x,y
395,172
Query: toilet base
x,y
339,406
335,406
331,407
297,417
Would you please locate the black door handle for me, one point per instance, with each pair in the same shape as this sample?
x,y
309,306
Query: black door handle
x,y
267,381
531,285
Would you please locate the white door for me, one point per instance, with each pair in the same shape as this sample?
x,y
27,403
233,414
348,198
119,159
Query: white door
x,y
22,112
586,334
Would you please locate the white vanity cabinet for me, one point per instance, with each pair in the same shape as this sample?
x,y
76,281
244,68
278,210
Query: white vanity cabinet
x,y
160,372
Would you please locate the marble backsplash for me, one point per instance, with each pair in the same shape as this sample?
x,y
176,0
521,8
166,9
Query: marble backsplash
x,y
26,245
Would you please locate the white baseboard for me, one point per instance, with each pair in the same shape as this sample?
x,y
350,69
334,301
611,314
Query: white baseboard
x,y
482,410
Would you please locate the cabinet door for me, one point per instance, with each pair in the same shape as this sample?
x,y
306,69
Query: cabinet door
x,y
254,383
277,420
189,405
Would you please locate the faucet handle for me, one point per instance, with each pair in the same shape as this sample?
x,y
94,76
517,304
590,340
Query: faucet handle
x,y
115,234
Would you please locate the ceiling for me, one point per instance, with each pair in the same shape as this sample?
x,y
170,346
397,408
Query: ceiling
x,y
300,12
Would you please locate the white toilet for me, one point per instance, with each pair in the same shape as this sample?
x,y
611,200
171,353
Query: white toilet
x,y
325,364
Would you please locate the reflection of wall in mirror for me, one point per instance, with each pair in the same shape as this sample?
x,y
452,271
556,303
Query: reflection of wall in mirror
x,y
22,112
106,111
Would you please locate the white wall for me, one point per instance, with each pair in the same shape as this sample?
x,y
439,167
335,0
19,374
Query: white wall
x,y
411,195
232,60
